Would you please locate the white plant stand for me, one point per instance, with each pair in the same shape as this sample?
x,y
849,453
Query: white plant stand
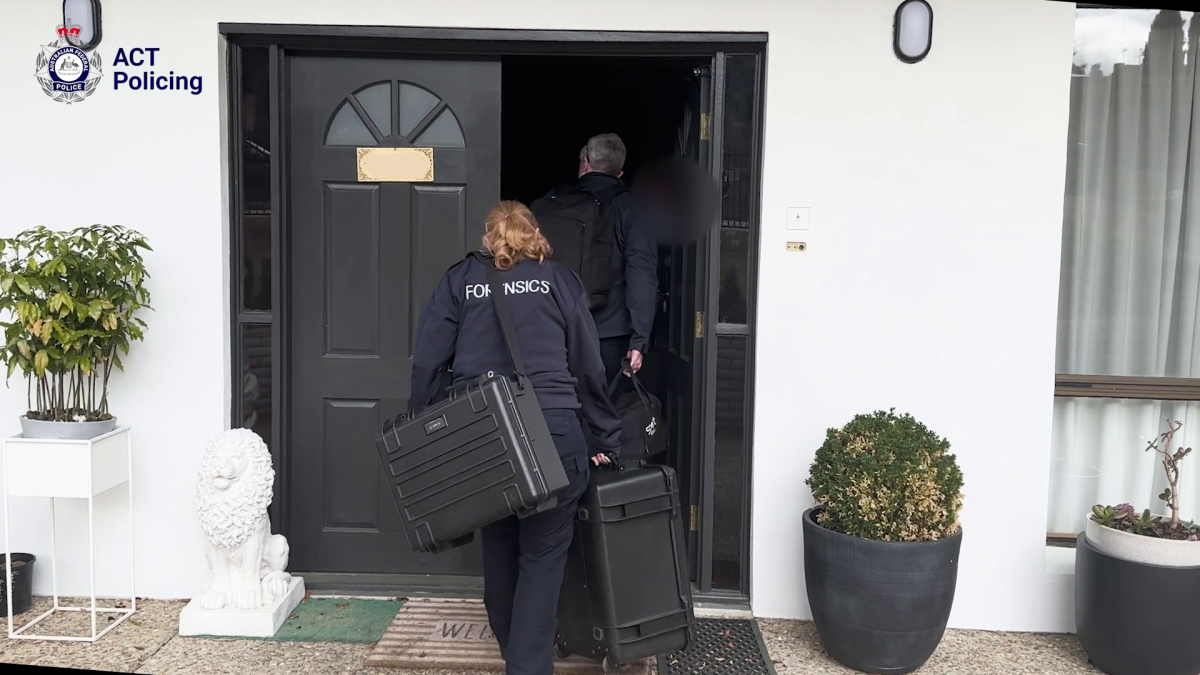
x,y
68,469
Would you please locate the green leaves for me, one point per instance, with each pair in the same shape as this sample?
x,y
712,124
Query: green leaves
x,y
62,303
1104,514
1145,523
41,362
73,298
888,477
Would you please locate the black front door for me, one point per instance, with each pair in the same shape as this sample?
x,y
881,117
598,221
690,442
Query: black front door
x,y
364,258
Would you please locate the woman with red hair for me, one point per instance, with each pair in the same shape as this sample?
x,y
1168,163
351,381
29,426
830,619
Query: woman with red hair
x,y
524,559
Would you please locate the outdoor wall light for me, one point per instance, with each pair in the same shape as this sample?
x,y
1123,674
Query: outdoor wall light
x,y
84,15
913,31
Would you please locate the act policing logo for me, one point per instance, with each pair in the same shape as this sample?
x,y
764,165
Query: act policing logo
x,y
146,80
67,73
70,74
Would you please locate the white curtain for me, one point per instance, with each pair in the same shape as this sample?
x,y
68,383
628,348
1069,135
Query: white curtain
x,y
1130,287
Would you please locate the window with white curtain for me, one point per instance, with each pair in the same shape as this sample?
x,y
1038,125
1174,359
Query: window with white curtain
x,y
1128,354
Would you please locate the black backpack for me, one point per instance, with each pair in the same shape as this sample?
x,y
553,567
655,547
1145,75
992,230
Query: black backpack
x,y
580,227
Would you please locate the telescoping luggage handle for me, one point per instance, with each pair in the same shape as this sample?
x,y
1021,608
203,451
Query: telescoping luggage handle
x,y
500,302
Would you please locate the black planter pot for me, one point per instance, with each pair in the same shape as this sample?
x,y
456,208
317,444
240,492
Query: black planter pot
x,y
1133,618
879,606
22,592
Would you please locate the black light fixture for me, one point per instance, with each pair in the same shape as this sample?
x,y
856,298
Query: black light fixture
x,y
912,34
84,15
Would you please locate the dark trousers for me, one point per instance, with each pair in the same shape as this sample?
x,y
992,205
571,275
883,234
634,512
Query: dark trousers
x,y
524,560
612,352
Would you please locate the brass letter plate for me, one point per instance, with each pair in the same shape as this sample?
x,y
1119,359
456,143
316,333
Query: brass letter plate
x,y
395,165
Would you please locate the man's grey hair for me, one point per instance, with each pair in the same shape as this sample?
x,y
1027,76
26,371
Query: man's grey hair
x,y
605,152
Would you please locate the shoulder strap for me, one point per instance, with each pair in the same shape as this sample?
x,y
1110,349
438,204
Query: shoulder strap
x,y
604,199
500,302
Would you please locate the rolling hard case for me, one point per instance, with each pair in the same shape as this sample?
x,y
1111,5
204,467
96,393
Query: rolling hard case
x,y
626,593
482,454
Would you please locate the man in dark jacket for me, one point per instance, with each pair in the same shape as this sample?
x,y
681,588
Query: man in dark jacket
x,y
623,324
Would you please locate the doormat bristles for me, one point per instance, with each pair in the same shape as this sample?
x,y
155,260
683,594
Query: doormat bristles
x,y
339,620
347,620
434,634
721,647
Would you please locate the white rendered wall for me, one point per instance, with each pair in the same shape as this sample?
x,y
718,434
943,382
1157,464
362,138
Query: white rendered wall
x,y
929,283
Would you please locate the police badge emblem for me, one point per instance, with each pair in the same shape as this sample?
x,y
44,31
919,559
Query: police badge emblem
x,y
67,73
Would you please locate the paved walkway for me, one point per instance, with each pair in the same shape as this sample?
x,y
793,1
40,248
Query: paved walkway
x,y
147,643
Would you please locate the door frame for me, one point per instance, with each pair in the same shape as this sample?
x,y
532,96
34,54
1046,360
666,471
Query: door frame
x,y
284,40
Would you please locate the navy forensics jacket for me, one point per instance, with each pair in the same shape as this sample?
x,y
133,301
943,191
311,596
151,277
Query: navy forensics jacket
x,y
555,332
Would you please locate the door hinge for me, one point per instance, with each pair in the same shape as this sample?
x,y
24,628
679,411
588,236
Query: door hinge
x,y
699,324
705,127
694,525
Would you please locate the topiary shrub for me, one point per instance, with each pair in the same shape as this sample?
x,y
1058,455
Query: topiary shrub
x,y
887,477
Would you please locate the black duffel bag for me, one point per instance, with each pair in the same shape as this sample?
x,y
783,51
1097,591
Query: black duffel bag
x,y
643,430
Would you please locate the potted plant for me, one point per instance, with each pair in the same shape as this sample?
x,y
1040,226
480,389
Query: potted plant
x,y
1137,581
881,546
69,300
22,583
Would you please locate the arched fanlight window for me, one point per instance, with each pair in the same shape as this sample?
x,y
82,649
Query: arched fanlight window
x,y
394,114
913,30
84,15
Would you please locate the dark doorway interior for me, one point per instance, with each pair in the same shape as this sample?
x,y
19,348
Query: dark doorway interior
x,y
550,106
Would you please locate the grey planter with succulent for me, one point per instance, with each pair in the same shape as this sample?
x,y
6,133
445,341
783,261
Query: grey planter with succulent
x,y
70,302
1137,581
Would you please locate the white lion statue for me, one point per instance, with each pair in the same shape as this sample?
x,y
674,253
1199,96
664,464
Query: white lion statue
x,y
236,485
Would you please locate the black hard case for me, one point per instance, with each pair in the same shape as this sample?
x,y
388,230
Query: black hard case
x,y
482,454
476,458
626,594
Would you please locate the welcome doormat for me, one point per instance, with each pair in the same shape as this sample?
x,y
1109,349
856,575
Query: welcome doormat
x,y
434,634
